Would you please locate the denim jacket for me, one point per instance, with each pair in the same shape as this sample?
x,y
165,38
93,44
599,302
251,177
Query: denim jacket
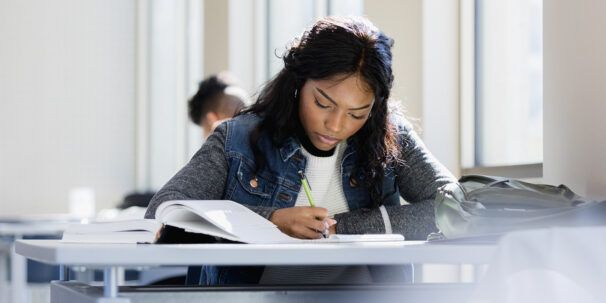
x,y
277,185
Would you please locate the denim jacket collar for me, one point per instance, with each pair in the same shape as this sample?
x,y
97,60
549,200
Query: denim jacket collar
x,y
350,150
289,148
292,145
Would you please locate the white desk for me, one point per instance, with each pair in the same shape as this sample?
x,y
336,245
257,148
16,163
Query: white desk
x,y
102,255
16,227
112,256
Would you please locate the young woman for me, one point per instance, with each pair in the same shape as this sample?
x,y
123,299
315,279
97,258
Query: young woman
x,y
326,117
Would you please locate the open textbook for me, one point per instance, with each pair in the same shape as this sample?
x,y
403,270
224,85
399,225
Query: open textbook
x,y
216,218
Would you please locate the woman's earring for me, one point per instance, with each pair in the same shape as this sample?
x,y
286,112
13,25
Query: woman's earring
x,y
296,92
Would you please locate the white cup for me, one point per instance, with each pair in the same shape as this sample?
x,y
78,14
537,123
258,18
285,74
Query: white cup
x,y
82,202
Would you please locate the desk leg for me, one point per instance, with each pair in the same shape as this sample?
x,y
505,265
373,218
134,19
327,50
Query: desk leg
x,y
110,282
18,276
121,275
63,272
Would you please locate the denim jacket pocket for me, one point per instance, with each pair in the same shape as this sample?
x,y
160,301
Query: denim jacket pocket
x,y
254,189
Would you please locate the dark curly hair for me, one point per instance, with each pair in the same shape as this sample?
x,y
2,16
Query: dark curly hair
x,y
335,46
209,98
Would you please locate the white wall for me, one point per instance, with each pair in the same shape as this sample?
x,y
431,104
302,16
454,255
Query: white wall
x,y
441,83
575,95
247,43
66,102
173,44
402,21
216,36
426,70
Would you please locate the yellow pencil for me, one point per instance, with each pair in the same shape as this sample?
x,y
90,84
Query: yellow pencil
x,y
307,189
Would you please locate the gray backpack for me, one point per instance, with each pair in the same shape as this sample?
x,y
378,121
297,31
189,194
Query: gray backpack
x,y
485,205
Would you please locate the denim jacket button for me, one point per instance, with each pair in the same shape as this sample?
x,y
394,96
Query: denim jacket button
x,y
254,183
353,182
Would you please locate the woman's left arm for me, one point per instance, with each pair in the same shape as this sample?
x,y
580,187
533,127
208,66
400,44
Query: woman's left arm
x,y
418,180
414,221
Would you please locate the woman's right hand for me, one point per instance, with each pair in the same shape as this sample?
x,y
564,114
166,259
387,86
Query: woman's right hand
x,y
302,222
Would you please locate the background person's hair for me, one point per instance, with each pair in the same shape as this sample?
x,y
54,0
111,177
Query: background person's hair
x,y
335,46
214,95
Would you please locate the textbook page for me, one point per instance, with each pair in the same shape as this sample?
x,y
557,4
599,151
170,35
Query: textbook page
x,y
127,236
222,218
233,221
149,225
122,231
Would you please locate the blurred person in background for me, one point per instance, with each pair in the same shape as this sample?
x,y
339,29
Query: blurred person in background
x,y
218,98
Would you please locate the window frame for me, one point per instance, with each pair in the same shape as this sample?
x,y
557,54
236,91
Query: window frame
x,y
470,105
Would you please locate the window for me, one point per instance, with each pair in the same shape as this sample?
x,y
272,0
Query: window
x,y
288,19
283,27
505,103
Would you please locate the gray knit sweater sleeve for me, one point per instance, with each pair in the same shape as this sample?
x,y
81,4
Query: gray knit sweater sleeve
x,y
203,178
418,180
